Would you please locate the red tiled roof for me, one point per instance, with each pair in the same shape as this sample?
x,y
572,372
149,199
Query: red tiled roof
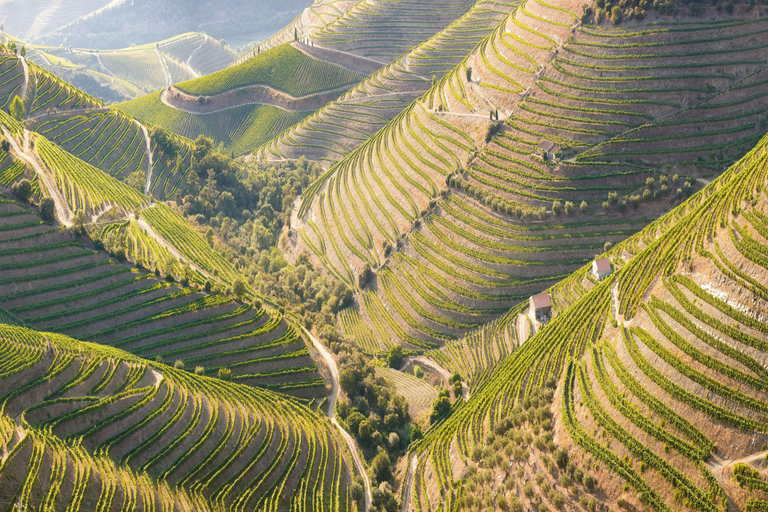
x,y
603,264
541,301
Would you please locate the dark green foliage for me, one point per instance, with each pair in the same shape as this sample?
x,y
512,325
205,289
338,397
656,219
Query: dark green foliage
x,y
47,209
365,276
395,357
492,130
22,190
441,408
373,410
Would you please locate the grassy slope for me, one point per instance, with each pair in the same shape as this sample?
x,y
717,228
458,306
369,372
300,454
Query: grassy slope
x,y
283,68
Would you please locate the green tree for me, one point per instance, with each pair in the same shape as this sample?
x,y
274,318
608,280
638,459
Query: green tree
x,y
239,287
348,380
178,364
47,209
225,374
199,370
22,190
440,408
17,109
616,15
395,357
381,468
137,179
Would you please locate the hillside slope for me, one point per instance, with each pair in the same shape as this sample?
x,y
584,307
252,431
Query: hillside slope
x,y
243,106
461,218
660,366
343,125
87,427
53,280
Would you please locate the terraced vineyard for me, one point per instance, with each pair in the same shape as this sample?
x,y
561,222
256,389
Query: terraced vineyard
x,y
40,91
318,15
384,30
107,140
420,394
284,68
56,283
345,124
200,52
481,220
239,128
88,427
251,102
659,365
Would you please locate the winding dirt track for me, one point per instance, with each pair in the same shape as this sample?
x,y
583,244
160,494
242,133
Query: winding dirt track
x,y
332,413
63,213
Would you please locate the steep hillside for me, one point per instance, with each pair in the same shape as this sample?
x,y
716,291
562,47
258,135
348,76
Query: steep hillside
x,y
245,105
660,365
343,125
87,427
461,218
56,281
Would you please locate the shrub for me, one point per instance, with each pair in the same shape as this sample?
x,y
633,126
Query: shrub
x,y
492,130
557,208
569,208
561,458
178,364
607,246
365,276
22,190
589,482
47,209
418,372
199,370
225,374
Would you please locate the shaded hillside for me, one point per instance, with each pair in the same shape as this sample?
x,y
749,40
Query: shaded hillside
x,y
87,427
661,380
